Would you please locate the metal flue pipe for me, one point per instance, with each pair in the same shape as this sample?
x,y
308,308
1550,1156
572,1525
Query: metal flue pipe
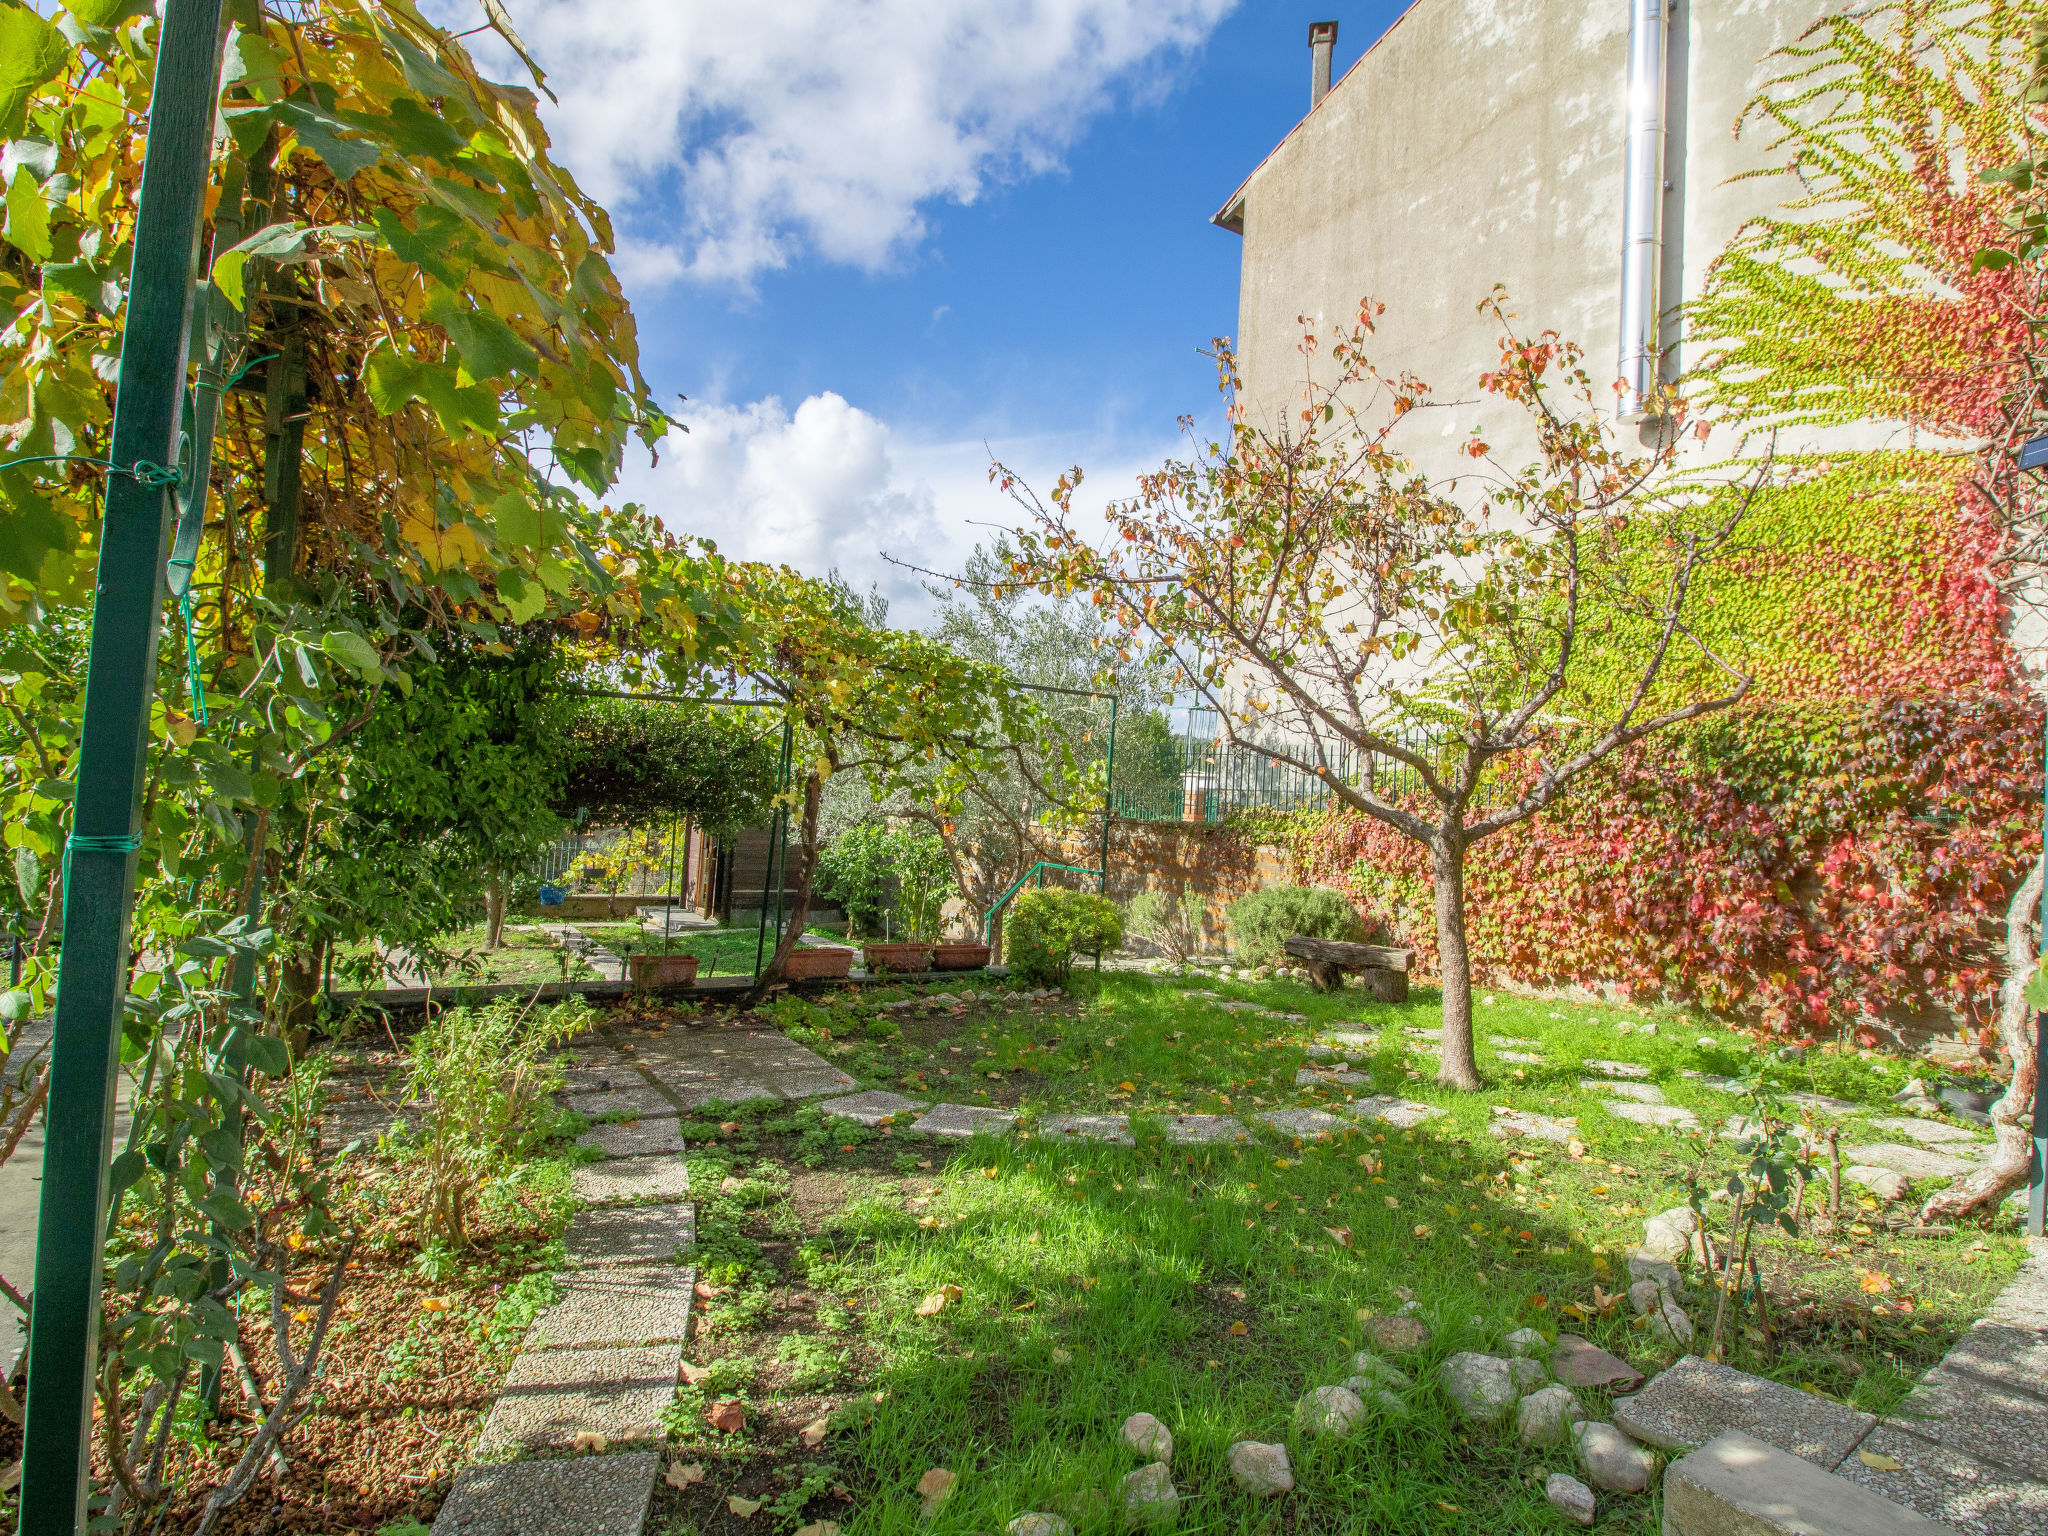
x,y
1642,206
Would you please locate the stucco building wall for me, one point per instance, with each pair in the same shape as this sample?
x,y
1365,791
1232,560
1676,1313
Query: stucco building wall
x,y
1481,142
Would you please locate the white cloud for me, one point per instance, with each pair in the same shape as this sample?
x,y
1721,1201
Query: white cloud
x,y
830,486
823,126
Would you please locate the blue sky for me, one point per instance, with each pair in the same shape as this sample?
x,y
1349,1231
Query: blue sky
x,y
867,236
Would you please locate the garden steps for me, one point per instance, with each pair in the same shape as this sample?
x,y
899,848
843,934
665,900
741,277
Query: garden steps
x,y
584,1403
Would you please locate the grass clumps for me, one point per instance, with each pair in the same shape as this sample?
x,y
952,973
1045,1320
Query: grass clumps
x,y
1266,919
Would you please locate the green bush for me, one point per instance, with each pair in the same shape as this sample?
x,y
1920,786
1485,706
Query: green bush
x,y
1045,928
1174,923
1264,920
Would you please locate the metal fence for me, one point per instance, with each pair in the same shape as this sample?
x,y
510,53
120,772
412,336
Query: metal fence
x,y
1198,776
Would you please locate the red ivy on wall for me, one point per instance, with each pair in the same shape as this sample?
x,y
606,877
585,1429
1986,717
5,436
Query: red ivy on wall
x,y
1798,867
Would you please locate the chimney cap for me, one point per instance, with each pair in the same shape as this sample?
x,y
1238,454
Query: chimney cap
x,y
1321,32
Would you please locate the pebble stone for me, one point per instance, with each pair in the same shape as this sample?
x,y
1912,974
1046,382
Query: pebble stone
x,y
1527,1374
1546,1417
1526,1343
1480,1387
1261,1469
1398,1335
1612,1460
1148,1437
1039,1523
1331,1412
1150,1497
1579,1362
1569,1497
1366,1366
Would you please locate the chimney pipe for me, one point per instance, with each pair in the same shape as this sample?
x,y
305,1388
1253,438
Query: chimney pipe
x,y
1642,207
1322,41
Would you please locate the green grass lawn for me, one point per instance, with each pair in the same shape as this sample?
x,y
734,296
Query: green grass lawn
x,y
1212,1286
526,955
719,951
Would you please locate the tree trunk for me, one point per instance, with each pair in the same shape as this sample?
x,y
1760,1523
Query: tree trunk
x,y
1447,864
2007,1167
494,913
800,902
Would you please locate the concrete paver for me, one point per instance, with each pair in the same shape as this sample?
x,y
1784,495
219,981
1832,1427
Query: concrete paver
x,y
583,1496
554,1395
617,1306
957,1122
637,1138
630,1234
1696,1400
872,1108
1115,1129
628,1180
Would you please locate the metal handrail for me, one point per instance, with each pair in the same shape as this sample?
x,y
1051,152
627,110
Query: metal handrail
x,y
988,920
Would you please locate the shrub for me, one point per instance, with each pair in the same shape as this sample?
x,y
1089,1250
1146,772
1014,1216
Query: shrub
x,y
482,1077
1047,927
1264,920
1174,923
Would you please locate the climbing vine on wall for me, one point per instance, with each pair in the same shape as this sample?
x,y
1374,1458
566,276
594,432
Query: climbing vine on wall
x,y
1800,868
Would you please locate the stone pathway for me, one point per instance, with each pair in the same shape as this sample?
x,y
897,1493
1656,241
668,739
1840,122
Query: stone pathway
x,y
598,1369
607,966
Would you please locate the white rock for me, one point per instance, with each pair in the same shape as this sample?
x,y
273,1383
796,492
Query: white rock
x,y
1526,1342
1645,1295
1261,1469
1649,1029
1612,1460
1367,1366
1885,1183
1657,1271
1480,1387
1038,1523
1527,1375
1150,1497
1148,1437
1546,1417
1332,1412
1669,1324
1569,1497
1706,1041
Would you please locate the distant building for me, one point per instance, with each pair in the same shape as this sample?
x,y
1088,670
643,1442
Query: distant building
x,y
1580,152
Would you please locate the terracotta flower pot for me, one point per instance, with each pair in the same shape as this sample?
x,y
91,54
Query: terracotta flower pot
x,y
818,962
959,957
904,959
663,970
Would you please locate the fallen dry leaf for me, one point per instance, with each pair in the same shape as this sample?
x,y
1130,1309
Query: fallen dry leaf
x,y
741,1507
1341,1234
1877,1461
938,1300
704,1292
1876,1281
729,1416
935,1487
589,1440
814,1433
692,1374
729,1127
1238,1330
677,1475
818,1528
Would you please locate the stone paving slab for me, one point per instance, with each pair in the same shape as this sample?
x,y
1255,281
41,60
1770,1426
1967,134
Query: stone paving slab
x,y
643,1100
1309,1077
637,1138
1618,1068
1980,1418
1519,1122
1931,1133
1825,1105
1349,1039
1949,1485
1526,1058
630,1234
1642,1093
1663,1116
1115,1129
872,1108
957,1122
581,1496
1197,1130
1306,1123
1695,1400
1403,1113
617,1306
701,1065
2024,1301
2009,1356
554,1395
1580,1362
1737,1485
1913,1162
625,1180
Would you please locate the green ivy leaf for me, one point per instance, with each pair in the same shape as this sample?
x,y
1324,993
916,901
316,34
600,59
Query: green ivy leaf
x,y
28,217
524,599
28,875
31,51
490,348
352,650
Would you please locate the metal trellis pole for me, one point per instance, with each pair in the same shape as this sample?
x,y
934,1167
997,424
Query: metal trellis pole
x,y
99,880
2037,1182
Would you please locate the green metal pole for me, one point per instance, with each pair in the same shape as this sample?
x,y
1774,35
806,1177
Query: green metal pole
x,y
1108,800
120,678
774,831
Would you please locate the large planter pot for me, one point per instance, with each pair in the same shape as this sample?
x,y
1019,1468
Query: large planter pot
x,y
904,959
959,957
818,962
663,970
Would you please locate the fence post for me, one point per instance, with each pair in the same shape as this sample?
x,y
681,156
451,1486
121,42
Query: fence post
x,y
99,875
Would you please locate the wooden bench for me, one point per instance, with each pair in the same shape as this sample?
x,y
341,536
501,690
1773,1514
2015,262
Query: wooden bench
x,y
1384,970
